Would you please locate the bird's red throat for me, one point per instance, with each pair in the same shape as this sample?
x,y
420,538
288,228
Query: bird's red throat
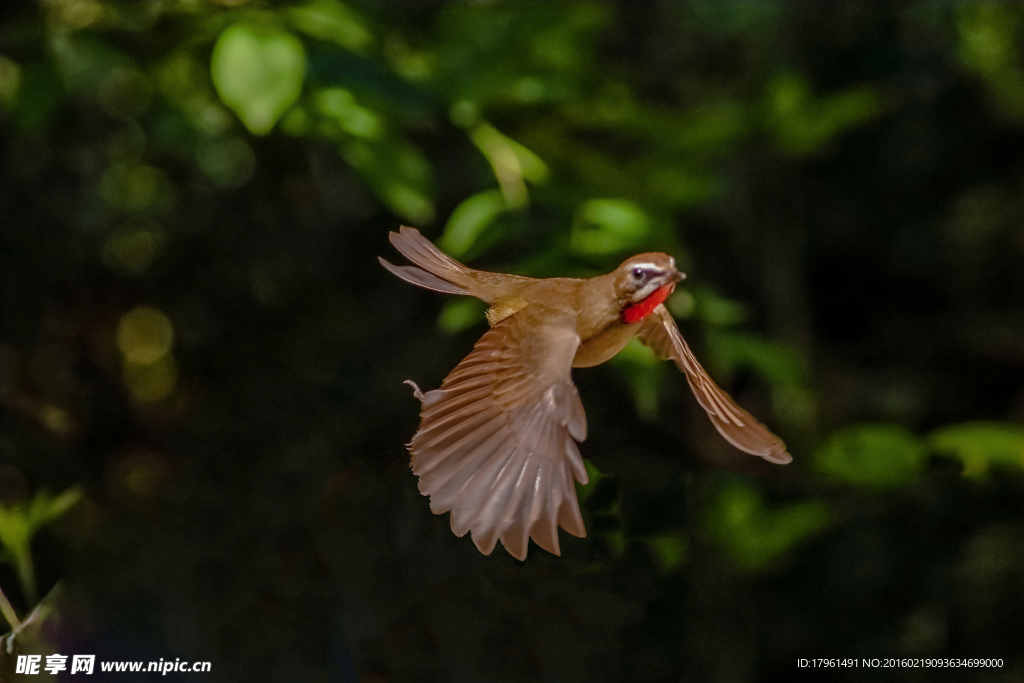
x,y
634,313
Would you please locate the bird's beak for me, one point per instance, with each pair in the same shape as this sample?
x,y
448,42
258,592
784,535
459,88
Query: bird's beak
x,y
676,276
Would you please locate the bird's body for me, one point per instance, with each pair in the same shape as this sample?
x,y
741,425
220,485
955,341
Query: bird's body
x,y
497,441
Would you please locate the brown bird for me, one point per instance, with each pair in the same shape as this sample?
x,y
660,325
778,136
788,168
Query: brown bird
x,y
497,442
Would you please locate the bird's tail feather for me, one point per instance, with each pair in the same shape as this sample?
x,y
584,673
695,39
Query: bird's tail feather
x,y
421,278
424,254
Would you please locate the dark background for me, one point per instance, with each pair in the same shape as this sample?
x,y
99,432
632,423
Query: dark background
x,y
201,361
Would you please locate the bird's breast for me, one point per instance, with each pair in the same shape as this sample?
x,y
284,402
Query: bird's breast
x,y
605,344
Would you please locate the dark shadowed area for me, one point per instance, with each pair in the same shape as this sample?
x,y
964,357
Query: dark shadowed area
x,y
202,415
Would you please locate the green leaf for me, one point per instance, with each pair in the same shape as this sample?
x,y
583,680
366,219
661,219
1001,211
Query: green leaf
x,y
980,445
608,226
45,508
754,534
876,455
594,475
258,72
397,172
715,309
469,220
341,106
513,164
19,523
331,20
460,314
803,123
988,33
645,373
671,549
780,365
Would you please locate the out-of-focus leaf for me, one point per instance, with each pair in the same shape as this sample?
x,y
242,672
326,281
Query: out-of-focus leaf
x,y
754,534
516,52
715,309
19,523
583,491
469,219
45,508
988,34
339,105
675,183
711,128
645,373
10,81
981,445
802,123
736,350
604,227
990,44
258,72
737,18
876,455
461,313
38,98
331,20
681,304
372,83
397,172
671,549
513,164
84,61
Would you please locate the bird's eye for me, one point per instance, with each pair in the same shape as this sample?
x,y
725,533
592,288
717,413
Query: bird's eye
x,y
637,273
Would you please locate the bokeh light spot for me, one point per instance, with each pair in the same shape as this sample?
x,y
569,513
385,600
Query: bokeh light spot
x,y
131,251
55,419
229,162
144,335
154,381
139,188
10,80
125,92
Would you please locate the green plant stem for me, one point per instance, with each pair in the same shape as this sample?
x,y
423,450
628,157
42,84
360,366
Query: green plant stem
x,y
8,611
27,574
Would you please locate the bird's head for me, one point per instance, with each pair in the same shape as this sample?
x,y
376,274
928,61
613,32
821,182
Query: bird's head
x,y
640,276
644,281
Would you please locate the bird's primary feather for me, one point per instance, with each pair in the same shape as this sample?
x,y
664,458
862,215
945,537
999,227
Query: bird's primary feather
x,y
740,428
497,441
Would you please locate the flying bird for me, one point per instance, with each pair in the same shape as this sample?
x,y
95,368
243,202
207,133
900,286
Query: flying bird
x,y
497,441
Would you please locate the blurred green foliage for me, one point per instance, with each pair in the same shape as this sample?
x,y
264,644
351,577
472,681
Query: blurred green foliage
x,y
20,522
258,72
198,346
755,534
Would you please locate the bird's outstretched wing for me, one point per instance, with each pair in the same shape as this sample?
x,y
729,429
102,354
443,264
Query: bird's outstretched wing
x,y
740,428
497,441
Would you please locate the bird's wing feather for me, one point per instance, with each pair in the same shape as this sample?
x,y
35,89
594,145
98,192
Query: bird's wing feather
x,y
497,441
740,428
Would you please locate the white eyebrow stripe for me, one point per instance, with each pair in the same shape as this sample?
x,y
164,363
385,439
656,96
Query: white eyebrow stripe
x,y
646,266
645,291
